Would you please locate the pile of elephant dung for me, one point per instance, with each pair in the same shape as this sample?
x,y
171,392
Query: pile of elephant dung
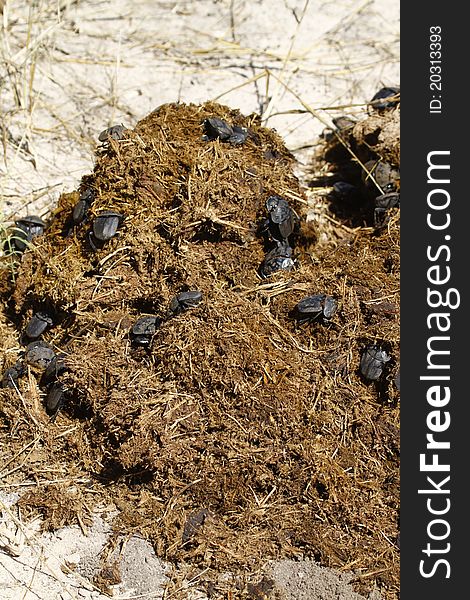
x,y
238,434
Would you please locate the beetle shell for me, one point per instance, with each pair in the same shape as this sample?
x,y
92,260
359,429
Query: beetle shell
x,y
316,306
329,307
385,98
373,361
32,221
387,200
39,354
83,205
12,374
79,211
53,369
386,176
143,330
106,224
239,136
116,132
278,259
55,399
343,122
20,239
185,300
38,325
278,209
26,229
217,128
10,378
281,217
311,305
382,204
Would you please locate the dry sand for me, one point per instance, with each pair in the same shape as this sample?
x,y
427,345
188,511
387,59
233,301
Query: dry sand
x,y
69,69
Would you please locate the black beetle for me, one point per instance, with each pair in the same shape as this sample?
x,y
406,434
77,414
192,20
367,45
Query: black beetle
x,y
388,200
184,301
106,224
25,230
53,369
55,399
384,174
39,354
10,378
281,217
83,205
12,374
386,97
382,204
116,132
343,122
218,128
278,259
239,136
373,361
37,325
143,330
313,307
79,212
34,224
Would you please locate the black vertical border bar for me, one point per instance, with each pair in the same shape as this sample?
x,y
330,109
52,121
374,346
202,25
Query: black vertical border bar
x,y
422,132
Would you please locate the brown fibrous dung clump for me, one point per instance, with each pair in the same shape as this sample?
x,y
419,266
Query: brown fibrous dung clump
x,y
251,431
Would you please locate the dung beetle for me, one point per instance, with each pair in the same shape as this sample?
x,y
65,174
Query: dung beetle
x,y
385,98
79,212
10,378
55,399
184,301
25,230
105,225
278,259
386,176
218,128
32,224
53,369
39,354
313,307
37,325
343,122
143,330
281,218
83,205
382,204
12,374
116,132
373,361
239,136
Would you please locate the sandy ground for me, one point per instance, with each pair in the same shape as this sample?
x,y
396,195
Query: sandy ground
x,y
64,564
70,68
